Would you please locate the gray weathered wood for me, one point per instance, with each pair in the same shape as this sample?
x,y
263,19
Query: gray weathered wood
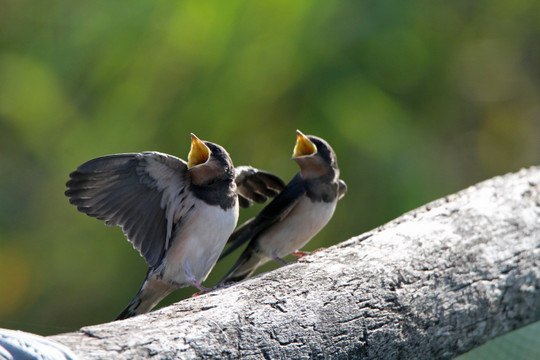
x,y
434,283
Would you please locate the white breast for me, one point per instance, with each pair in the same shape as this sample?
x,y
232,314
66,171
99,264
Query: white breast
x,y
196,248
291,234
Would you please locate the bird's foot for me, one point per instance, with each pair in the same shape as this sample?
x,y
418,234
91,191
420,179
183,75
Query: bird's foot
x,y
301,254
202,289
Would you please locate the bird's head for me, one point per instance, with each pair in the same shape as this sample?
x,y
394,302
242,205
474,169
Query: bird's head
x,y
208,162
315,156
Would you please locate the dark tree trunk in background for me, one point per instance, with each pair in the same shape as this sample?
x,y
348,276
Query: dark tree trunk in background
x,y
434,283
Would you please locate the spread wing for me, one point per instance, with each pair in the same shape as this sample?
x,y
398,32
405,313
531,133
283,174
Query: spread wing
x,y
256,185
141,192
274,212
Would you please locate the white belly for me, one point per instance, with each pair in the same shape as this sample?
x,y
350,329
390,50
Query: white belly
x,y
196,249
291,234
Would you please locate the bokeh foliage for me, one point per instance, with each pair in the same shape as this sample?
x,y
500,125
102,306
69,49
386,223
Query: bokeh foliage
x,y
418,98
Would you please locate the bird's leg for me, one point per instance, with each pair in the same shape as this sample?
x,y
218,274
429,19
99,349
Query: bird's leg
x,y
199,286
194,282
279,260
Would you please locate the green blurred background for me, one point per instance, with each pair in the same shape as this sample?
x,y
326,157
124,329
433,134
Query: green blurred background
x,y
418,98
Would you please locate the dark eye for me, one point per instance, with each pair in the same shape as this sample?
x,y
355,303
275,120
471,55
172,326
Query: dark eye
x,y
212,148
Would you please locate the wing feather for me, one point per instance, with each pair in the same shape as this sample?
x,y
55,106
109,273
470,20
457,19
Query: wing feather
x,y
254,185
135,191
342,189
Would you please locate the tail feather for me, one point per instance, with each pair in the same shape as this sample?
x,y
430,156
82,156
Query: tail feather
x,y
245,266
152,291
133,309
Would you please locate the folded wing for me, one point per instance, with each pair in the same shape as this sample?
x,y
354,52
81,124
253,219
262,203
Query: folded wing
x,y
274,212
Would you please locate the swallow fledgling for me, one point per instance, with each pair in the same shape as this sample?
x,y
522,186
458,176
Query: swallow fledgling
x,y
178,215
293,217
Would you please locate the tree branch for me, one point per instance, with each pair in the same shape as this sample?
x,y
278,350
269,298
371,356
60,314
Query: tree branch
x,y
434,283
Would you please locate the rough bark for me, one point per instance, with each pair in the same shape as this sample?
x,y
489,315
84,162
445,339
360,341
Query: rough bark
x,y
434,283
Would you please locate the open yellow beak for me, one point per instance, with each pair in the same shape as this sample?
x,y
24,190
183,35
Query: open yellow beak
x,y
304,146
199,152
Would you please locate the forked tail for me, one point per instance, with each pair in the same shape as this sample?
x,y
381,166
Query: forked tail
x,y
152,291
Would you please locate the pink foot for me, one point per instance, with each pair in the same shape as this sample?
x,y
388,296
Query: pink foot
x,y
301,254
202,289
